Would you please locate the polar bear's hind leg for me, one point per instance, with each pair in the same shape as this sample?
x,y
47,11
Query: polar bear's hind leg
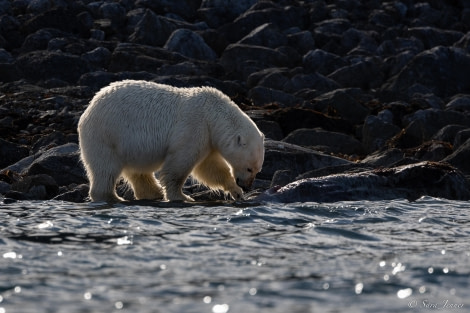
x,y
103,184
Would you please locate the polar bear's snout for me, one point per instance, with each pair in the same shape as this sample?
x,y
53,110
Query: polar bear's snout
x,y
245,184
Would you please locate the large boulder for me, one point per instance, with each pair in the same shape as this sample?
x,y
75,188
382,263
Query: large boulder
x,y
441,69
331,142
409,181
11,153
460,157
41,65
189,44
282,155
61,163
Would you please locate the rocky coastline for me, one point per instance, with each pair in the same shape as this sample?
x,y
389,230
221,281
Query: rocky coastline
x,y
357,99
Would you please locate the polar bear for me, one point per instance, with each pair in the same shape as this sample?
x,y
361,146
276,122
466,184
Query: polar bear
x,y
135,128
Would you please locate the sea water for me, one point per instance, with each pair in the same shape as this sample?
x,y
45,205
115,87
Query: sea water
x,y
380,256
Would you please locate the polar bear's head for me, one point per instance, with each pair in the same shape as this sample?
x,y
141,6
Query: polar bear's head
x,y
246,158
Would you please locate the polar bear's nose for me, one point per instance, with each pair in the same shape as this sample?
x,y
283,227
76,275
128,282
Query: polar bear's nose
x,y
244,185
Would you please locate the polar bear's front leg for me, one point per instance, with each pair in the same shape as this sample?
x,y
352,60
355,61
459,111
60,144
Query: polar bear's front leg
x,y
215,173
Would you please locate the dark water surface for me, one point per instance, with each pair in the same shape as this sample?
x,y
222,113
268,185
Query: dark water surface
x,y
380,256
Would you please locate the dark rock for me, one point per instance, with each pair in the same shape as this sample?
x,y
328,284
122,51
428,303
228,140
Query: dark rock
x,y
322,62
40,187
396,46
266,35
11,153
290,119
441,69
301,41
409,181
98,57
184,8
58,18
270,129
10,32
461,137
262,95
328,29
236,56
153,30
5,56
448,133
282,17
4,187
376,132
282,178
423,124
78,194
272,77
38,65
40,39
310,81
189,44
459,158
459,103
113,11
281,156
217,13
432,151
330,142
61,163
384,158
432,37
344,102
135,57
48,141
365,74
359,42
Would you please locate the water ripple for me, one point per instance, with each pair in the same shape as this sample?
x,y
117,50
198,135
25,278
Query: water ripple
x,y
253,257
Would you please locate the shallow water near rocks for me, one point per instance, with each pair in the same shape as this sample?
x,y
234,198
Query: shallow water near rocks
x,y
380,256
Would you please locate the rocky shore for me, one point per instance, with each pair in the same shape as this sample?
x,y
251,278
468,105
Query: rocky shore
x,y
358,99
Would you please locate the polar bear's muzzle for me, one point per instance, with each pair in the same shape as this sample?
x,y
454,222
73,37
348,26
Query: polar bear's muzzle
x,y
245,185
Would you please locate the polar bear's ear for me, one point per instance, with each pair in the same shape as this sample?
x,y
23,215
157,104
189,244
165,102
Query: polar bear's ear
x,y
240,141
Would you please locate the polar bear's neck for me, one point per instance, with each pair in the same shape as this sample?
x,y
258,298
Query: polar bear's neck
x,y
224,118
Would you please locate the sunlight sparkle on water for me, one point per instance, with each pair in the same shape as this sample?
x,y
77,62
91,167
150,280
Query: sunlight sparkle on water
x,y
124,241
358,288
404,293
46,224
220,308
12,255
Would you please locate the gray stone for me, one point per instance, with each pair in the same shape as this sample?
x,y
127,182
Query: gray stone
x,y
345,102
409,181
266,35
441,69
61,163
322,62
459,158
376,133
281,156
189,44
331,142
459,102
11,153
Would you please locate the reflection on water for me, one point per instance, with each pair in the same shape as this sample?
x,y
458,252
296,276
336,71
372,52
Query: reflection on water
x,y
380,256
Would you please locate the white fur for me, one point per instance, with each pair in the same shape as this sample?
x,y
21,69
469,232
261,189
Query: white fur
x,y
134,128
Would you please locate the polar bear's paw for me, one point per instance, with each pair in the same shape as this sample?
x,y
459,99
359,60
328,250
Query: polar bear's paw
x,y
179,197
236,192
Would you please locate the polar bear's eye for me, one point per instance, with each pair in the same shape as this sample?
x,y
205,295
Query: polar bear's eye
x,y
249,170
